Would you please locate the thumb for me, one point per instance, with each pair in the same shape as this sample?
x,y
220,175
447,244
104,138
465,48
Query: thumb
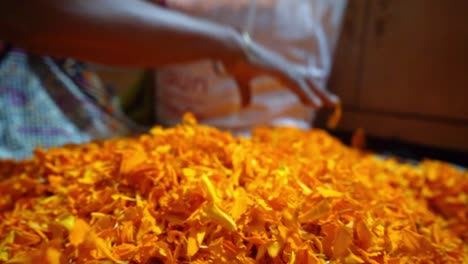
x,y
244,74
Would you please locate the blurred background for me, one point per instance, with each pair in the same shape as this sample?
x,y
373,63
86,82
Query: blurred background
x,y
400,69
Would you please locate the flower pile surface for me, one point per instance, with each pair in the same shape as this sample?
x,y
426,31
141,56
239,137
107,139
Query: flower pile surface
x,y
194,194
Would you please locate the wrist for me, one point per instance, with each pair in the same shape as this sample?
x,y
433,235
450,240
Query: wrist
x,y
236,46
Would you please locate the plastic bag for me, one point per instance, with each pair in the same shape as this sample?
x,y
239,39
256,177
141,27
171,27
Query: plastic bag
x,y
303,31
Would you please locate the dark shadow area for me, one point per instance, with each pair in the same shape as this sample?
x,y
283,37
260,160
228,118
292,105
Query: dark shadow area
x,y
406,150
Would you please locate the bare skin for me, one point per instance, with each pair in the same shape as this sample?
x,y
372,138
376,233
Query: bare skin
x,y
139,33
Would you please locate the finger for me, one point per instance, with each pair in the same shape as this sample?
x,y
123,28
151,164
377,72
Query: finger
x,y
328,98
307,96
245,91
243,73
301,89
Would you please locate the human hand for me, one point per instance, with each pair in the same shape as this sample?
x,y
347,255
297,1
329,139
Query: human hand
x,y
258,60
261,61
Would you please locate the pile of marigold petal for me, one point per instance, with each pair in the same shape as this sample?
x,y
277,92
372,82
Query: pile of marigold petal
x,y
194,194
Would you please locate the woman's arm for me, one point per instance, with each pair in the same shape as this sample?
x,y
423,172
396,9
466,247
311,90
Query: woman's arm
x,y
122,32
139,33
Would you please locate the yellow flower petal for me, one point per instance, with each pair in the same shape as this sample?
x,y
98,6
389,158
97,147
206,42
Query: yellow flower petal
x,y
221,218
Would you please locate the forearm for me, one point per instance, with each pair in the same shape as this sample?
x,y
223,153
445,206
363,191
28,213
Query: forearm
x,y
119,32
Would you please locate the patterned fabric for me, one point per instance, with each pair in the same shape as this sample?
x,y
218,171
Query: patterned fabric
x,y
47,102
